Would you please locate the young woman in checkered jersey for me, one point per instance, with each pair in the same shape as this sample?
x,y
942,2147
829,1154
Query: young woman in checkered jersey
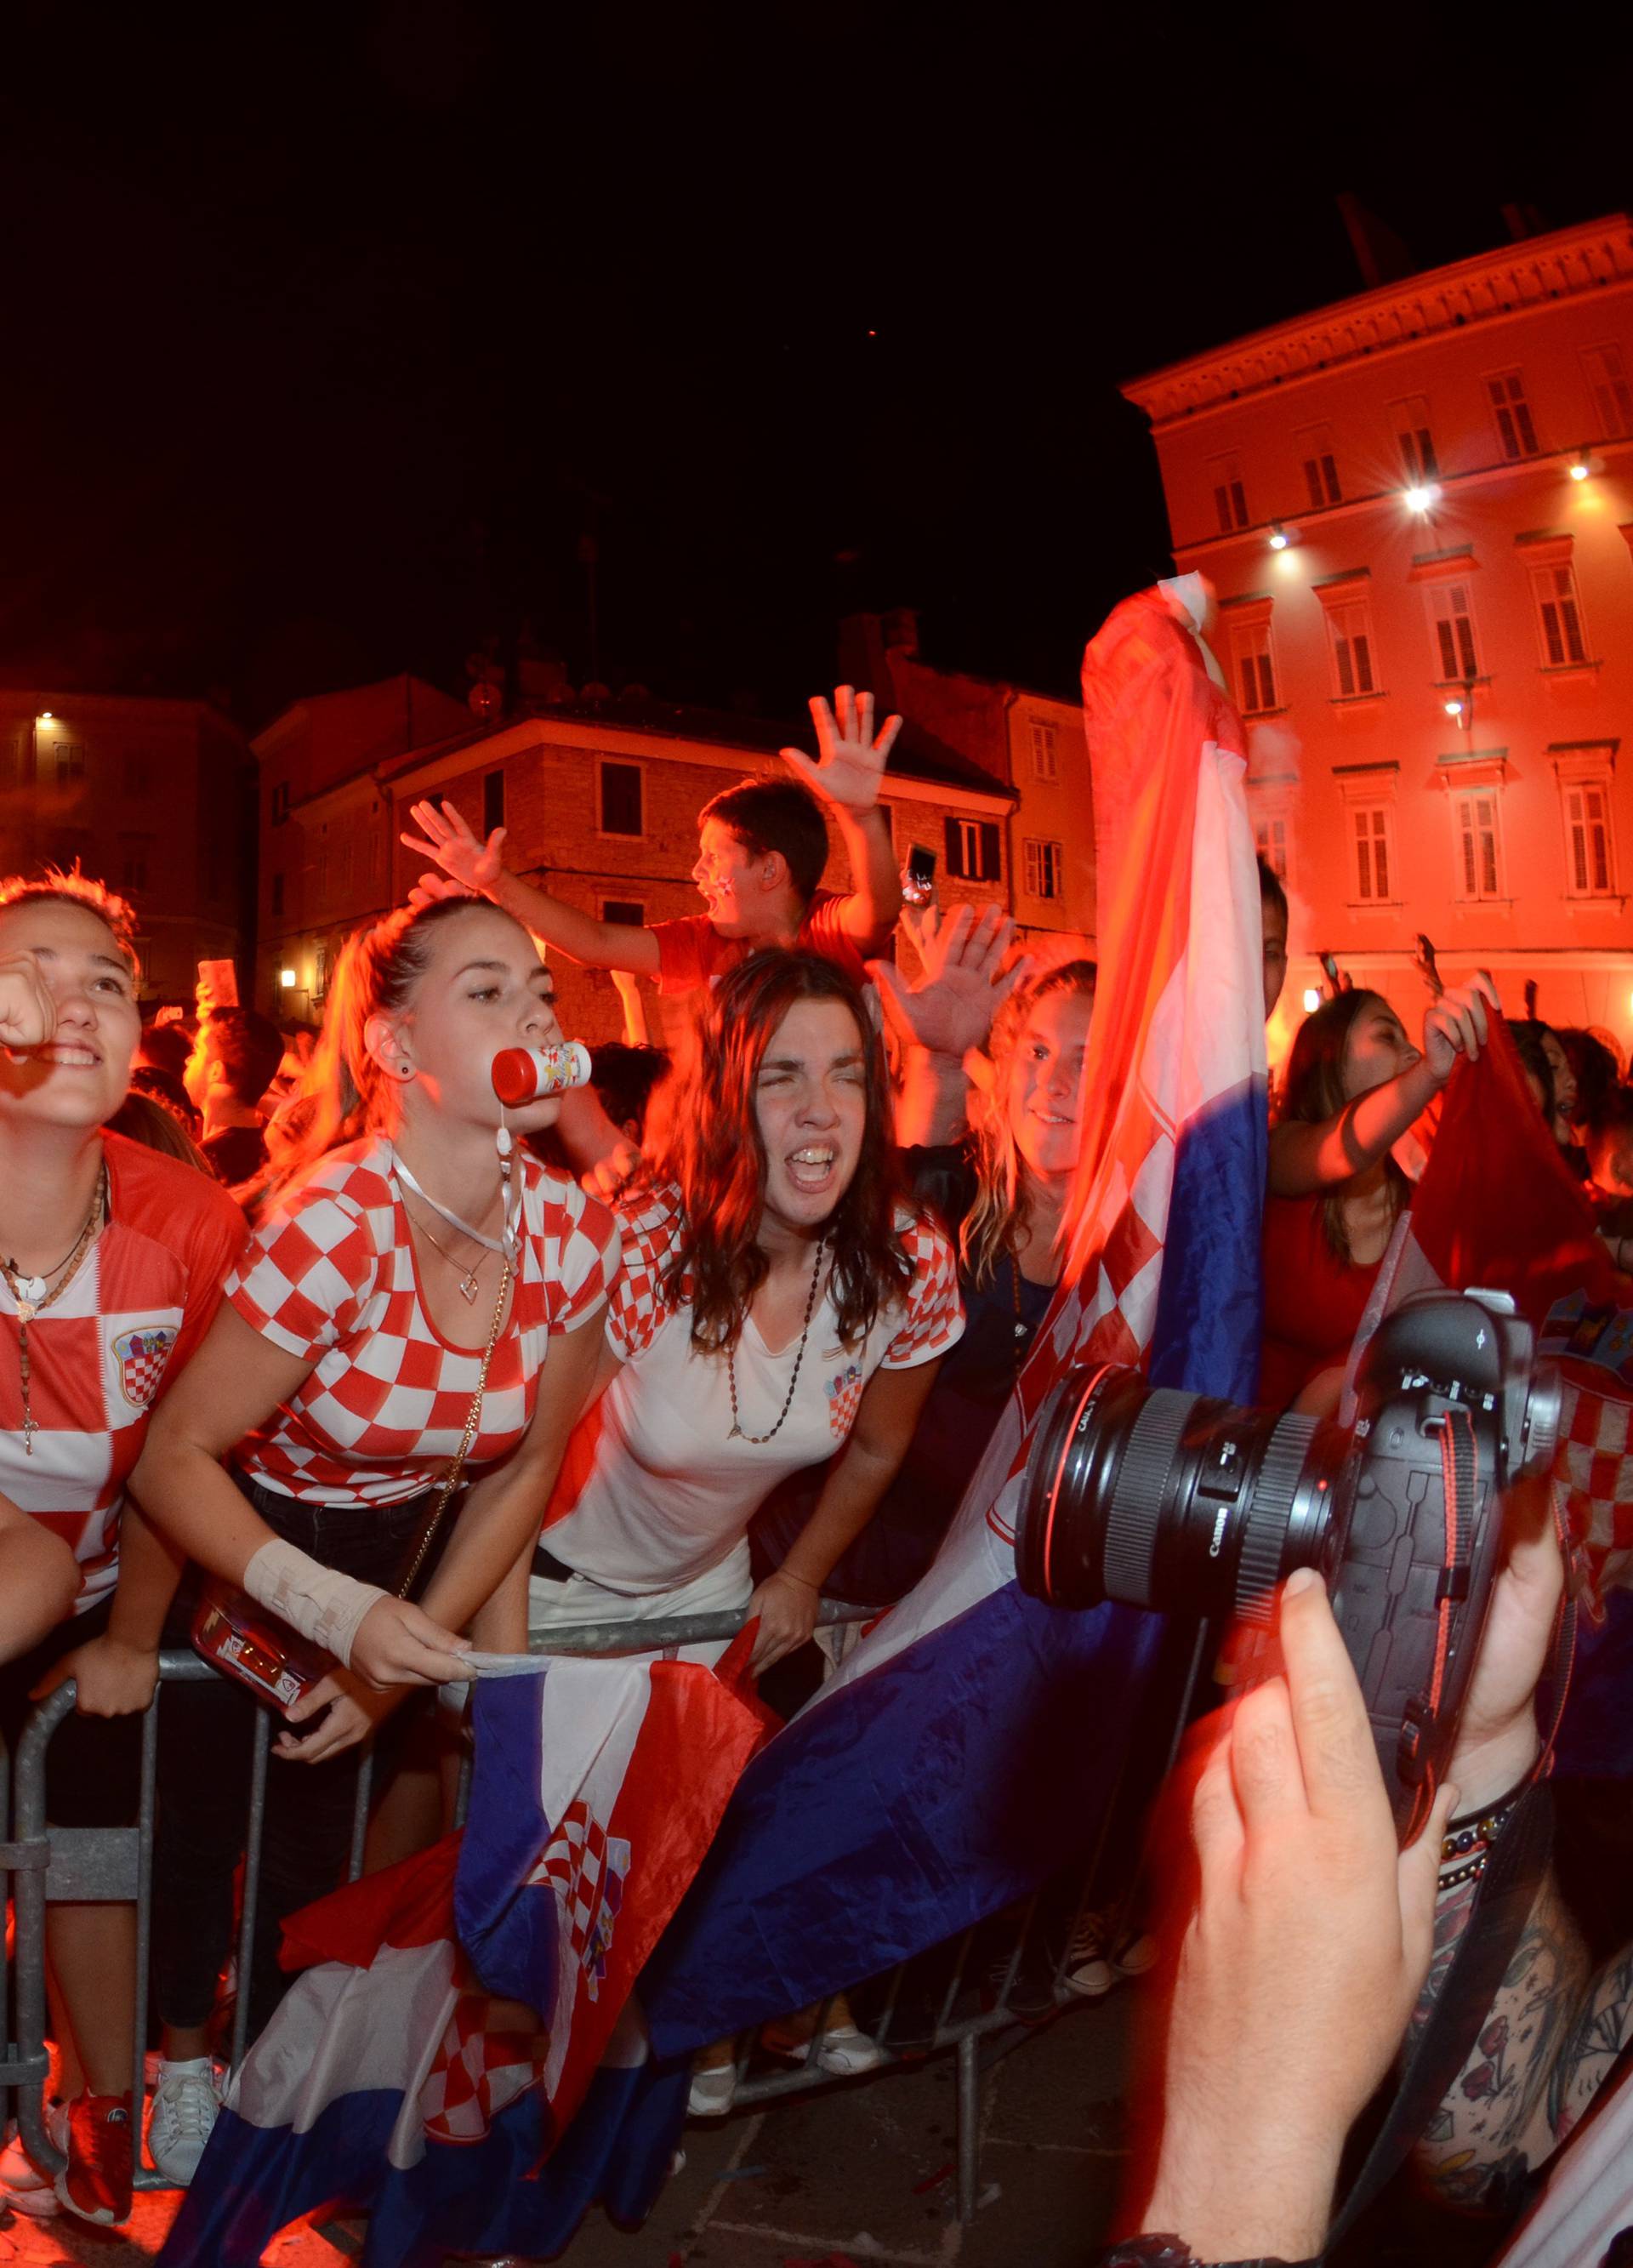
x,y
335,1387
111,1263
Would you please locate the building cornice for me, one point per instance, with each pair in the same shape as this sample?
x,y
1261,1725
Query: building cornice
x,y
1517,280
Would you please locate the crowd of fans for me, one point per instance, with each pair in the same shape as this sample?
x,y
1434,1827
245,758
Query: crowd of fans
x,y
724,1332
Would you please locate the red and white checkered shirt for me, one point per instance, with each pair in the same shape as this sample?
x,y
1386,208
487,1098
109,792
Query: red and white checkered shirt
x,y
134,1313
653,1490
330,1278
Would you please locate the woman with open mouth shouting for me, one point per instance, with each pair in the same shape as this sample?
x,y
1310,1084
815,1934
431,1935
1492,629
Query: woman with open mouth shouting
x,y
778,1308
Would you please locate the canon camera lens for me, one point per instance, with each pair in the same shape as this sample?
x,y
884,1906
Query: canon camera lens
x,y
1157,1498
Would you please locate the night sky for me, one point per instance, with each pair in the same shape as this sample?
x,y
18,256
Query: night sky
x,y
334,330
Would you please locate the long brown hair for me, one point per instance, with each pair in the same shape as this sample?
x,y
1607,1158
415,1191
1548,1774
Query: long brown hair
x,y
993,1225
1314,1091
715,1154
341,1088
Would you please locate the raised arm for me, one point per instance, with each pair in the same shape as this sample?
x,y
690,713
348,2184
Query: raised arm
x,y
473,865
845,777
1306,1158
947,1013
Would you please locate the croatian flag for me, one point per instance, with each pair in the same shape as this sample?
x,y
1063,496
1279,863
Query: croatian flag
x,y
463,2048
969,1746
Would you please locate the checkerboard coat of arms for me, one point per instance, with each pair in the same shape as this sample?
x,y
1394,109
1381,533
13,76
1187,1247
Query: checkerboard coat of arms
x,y
142,1355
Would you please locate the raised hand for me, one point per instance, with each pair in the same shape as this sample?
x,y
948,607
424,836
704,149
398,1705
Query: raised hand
x,y
950,1009
27,1011
473,864
1455,1025
851,760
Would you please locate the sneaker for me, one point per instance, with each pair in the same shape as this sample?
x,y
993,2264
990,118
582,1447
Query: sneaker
x,y
713,2086
185,2104
844,2051
1102,1953
95,2184
22,2185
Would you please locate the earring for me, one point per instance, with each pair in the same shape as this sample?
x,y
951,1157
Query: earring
x,y
405,1069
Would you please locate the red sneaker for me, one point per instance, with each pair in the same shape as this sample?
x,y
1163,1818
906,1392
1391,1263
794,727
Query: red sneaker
x,y
95,2184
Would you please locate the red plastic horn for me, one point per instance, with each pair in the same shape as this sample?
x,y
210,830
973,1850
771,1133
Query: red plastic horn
x,y
522,1075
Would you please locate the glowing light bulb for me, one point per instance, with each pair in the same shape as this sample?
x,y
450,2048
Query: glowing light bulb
x,y
286,978
1278,538
1580,468
1311,1000
45,716
1453,708
1422,496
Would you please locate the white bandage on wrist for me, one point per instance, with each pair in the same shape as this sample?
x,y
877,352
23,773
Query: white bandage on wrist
x,y
321,1604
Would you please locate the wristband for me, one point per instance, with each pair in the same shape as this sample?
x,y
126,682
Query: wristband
x,y
319,1602
1468,1841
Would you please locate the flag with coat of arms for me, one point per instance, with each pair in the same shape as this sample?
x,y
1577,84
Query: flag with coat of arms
x,y
460,2044
968,1747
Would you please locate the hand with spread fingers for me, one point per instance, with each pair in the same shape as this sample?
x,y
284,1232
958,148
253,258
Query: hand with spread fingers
x,y
950,1009
466,861
851,758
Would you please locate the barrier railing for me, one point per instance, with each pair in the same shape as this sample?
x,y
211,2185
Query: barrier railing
x,y
42,1865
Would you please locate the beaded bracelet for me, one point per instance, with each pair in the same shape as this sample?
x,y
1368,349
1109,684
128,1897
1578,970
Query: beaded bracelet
x,y
1467,1842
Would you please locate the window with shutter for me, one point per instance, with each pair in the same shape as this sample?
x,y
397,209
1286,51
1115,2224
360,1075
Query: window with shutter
x,y
1371,824
1255,667
1349,633
1044,864
1516,432
1479,864
1589,864
1318,457
1229,496
1045,763
1612,393
1454,633
1559,615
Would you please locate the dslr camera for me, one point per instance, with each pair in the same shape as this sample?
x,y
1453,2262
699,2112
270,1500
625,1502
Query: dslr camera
x,y
1158,1498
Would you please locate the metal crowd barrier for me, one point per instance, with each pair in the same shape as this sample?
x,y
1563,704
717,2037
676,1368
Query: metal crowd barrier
x,y
42,1865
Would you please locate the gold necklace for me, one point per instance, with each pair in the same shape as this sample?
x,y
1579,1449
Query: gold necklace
x,y
468,1285
31,1294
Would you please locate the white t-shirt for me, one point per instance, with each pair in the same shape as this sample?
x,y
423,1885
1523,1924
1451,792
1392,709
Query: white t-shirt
x,y
653,1490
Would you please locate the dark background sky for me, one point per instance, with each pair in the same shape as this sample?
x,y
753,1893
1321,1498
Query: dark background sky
x,y
334,328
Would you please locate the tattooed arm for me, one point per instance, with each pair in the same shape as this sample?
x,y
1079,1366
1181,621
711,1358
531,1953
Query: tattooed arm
x,y
1548,2041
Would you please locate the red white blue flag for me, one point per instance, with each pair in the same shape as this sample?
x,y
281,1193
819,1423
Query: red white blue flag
x,y
967,1748
464,2012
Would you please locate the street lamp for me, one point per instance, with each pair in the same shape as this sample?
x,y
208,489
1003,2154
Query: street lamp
x,y
1422,497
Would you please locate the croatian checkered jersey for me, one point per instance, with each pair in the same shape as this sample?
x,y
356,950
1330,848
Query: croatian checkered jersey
x,y
330,1277
133,1313
654,1491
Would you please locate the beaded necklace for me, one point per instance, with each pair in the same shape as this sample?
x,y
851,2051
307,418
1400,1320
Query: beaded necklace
x,y
736,1432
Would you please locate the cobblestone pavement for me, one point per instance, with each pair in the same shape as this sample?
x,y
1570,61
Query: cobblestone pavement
x,y
862,2173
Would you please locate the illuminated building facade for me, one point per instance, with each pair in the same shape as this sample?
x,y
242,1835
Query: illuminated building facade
x,y
599,799
1416,511
151,797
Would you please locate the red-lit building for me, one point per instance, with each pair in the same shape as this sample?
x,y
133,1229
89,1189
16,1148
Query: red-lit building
x,y
1416,510
153,798
601,800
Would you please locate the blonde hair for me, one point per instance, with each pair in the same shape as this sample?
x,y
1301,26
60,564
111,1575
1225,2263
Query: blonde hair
x,y
993,1224
343,1089
71,887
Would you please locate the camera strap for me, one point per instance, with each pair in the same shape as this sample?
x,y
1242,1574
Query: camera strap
x,y
1503,1898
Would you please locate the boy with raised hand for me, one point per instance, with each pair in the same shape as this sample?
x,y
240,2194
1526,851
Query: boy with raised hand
x,y
761,848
